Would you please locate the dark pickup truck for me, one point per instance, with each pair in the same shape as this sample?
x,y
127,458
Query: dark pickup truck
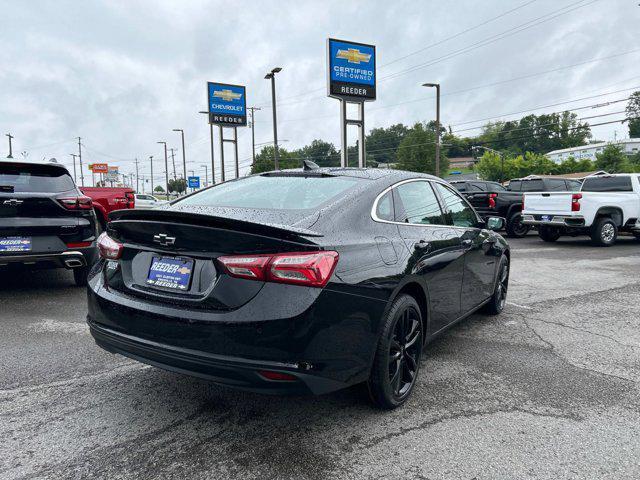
x,y
491,199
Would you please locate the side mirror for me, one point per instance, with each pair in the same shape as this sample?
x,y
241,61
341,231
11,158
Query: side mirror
x,y
495,223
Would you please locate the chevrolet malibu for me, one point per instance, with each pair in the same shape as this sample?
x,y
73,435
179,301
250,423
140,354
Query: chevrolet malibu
x,y
297,281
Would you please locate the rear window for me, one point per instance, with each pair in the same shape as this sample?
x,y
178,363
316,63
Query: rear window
x,y
532,186
556,184
34,178
515,185
461,187
273,192
607,184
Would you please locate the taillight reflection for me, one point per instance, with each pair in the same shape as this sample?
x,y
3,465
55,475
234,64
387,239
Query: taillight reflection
x,y
108,247
312,269
492,200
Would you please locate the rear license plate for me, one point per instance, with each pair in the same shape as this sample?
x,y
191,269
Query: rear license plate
x,y
167,272
546,218
15,244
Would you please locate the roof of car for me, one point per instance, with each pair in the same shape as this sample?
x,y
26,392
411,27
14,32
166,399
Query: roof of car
x,y
367,173
31,163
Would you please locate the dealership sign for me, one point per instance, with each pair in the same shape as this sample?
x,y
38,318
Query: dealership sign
x,y
99,168
194,182
352,70
227,104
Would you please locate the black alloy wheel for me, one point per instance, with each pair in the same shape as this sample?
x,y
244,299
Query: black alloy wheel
x,y
499,297
515,228
397,361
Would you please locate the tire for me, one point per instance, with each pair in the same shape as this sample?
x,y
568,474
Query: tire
x,y
80,276
515,228
397,360
499,297
604,232
549,234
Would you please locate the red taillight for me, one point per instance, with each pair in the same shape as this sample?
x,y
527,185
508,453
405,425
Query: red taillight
x,y
79,202
109,248
575,202
492,200
78,244
282,377
312,269
131,199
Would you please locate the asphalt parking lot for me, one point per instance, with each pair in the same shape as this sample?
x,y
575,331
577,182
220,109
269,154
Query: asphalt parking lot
x,y
549,389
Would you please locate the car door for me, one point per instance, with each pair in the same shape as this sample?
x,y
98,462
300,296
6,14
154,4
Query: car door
x,y
434,250
476,243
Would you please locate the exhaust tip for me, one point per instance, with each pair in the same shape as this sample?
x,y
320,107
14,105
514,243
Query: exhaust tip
x,y
73,263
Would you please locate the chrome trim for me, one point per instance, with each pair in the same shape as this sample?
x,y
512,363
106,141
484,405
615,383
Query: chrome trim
x,y
556,220
375,217
40,256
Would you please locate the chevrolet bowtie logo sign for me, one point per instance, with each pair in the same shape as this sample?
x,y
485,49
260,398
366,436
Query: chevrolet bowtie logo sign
x,y
353,55
164,240
184,270
227,95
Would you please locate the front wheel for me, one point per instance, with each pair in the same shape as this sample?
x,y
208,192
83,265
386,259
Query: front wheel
x,y
499,297
604,232
515,228
397,361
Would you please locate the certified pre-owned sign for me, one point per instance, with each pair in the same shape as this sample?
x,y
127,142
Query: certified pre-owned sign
x,y
227,104
352,70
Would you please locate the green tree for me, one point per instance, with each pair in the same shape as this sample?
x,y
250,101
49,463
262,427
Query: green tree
x,y
490,165
159,189
382,144
265,160
417,151
178,185
612,159
320,152
633,115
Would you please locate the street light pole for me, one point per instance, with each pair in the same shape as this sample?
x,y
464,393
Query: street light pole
x,y
272,76
80,158
184,160
173,160
166,168
437,87
137,186
10,147
206,174
151,161
74,166
253,135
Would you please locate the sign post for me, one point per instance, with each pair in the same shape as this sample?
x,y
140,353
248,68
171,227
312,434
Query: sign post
x,y
227,109
194,182
351,78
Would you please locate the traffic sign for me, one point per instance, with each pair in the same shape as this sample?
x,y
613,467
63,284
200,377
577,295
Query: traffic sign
x,y
194,182
227,104
351,70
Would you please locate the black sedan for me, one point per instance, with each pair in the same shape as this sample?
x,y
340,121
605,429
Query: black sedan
x,y
45,222
297,281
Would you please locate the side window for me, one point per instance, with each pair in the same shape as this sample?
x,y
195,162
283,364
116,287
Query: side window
x,y
573,185
461,214
384,209
515,186
556,184
477,187
418,204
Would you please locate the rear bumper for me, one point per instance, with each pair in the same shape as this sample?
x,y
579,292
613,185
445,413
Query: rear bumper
x,y
554,220
69,259
326,345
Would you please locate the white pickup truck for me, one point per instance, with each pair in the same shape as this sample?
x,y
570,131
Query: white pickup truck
x,y
604,206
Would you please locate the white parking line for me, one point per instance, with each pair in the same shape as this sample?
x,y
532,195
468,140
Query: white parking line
x,y
50,325
519,306
531,250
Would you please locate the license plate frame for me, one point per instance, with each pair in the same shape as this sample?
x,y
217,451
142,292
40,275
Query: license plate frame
x,y
16,244
170,273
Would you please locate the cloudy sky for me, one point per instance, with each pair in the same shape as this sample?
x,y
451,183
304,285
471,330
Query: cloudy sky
x,y
123,74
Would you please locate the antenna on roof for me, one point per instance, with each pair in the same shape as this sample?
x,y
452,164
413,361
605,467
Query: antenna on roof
x,y
308,165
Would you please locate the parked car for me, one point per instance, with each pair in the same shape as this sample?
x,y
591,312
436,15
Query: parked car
x,y
108,199
144,200
45,222
492,199
298,280
602,207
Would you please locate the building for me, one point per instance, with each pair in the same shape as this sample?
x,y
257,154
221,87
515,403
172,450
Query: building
x,y
630,146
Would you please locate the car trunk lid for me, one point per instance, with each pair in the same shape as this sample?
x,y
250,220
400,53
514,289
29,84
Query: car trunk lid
x,y
552,203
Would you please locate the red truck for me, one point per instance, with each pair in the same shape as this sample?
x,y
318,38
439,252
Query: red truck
x,y
107,199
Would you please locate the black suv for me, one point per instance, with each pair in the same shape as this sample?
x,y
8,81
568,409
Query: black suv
x,y
490,199
45,222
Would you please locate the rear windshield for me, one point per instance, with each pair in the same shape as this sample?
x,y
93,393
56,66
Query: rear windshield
x,y
273,192
34,178
607,184
532,186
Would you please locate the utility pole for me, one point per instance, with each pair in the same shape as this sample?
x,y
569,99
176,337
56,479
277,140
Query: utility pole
x,y
272,76
206,174
166,168
184,161
137,175
74,167
253,135
80,158
151,161
10,147
173,160
437,87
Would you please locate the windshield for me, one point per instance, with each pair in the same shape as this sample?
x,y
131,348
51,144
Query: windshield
x,y
273,192
16,178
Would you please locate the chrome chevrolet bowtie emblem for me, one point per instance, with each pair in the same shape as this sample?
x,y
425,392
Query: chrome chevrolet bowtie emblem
x,y
12,202
164,240
353,55
227,95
